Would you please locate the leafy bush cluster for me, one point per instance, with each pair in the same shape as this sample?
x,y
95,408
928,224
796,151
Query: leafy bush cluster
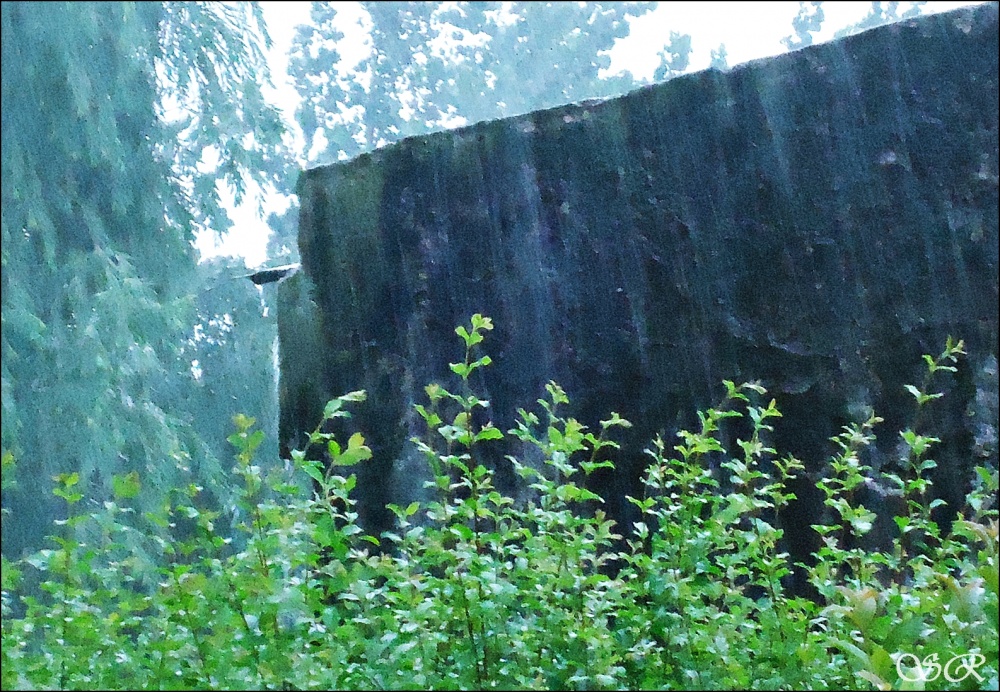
x,y
475,590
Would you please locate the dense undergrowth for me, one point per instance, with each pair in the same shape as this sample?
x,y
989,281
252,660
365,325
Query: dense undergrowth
x,y
474,590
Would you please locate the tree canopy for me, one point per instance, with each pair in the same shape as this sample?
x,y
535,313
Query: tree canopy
x,y
121,121
437,65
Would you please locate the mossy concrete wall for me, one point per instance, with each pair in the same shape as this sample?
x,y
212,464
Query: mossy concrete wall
x,y
816,221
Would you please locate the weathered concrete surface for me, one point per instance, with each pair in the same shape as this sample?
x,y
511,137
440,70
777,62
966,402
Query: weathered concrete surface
x,y
816,221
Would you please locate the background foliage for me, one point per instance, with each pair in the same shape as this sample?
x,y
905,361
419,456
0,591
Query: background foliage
x,y
108,112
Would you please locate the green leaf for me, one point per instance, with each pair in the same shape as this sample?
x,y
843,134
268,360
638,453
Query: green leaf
x,y
67,480
254,440
555,436
480,322
987,477
355,396
460,369
556,393
489,433
862,520
313,469
333,448
357,443
332,408
41,559
432,419
126,486
356,452
461,531
615,420
590,466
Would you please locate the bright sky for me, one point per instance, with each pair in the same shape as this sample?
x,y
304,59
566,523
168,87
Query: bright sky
x,y
749,30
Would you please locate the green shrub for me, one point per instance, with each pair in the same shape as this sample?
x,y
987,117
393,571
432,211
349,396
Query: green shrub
x,y
476,590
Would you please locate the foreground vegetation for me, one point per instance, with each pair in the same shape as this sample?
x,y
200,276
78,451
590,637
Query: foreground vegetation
x,y
476,590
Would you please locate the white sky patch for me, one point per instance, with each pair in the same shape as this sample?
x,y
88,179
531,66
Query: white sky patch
x,y
749,29
320,143
249,235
